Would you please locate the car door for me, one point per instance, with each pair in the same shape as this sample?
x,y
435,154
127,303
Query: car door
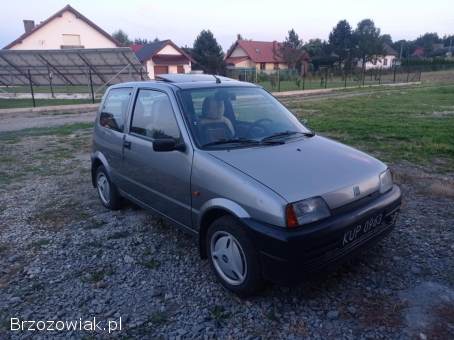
x,y
159,179
110,128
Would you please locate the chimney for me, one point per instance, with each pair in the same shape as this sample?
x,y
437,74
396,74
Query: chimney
x,y
29,25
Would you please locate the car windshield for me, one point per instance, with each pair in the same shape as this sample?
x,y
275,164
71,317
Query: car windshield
x,y
238,117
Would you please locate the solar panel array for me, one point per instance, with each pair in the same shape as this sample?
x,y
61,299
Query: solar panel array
x,y
70,67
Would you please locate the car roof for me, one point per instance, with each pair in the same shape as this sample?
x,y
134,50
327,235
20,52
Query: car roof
x,y
188,81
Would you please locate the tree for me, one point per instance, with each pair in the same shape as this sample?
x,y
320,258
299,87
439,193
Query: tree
x,y
387,39
448,41
368,42
316,48
341,41
427,41
144,41
208,53
292,50
122,38
404,47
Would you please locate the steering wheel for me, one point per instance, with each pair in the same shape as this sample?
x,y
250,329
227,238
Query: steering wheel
x,y
259,124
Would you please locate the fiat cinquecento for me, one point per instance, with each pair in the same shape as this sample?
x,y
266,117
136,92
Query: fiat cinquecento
x,y
267,198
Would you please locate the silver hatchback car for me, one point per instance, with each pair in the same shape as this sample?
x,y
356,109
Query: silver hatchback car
x,y
267,199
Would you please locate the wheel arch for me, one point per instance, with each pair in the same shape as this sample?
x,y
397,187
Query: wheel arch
x,y
97,160
211,211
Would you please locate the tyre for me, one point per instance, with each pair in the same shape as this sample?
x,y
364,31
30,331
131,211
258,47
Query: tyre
x,y
108,193
233,257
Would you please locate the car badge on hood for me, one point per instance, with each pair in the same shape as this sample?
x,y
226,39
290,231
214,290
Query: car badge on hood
x,y
356,191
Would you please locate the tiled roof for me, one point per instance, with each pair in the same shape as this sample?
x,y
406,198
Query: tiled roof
x,y
260,51
149,50
389,50
136,47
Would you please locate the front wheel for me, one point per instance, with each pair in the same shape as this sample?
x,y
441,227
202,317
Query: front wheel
x,y
233,258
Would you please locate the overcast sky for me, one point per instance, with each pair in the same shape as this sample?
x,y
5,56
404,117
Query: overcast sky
x,y
181,21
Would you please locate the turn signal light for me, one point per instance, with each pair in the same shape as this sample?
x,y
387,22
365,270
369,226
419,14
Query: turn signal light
x,y
292,221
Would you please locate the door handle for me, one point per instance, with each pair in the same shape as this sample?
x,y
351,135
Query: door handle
x,y
127,144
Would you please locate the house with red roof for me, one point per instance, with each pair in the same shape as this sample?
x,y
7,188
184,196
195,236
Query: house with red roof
x,y
261,55
67,28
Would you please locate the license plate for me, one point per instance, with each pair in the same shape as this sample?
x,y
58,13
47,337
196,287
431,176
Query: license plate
x,y
366,227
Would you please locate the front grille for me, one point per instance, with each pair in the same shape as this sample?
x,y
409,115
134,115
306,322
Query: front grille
x,y
355,204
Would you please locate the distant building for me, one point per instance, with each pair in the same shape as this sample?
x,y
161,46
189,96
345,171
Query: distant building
x,y
387,60
418,53
161,57
67,28
261,55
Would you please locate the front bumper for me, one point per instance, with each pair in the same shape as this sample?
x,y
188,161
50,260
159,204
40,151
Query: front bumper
x,y
288,256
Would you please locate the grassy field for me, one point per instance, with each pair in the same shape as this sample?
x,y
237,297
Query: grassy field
x,y
314,82
413,124
17,103
61,144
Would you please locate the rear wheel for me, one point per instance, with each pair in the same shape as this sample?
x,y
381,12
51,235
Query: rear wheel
x,y
108,193
233,257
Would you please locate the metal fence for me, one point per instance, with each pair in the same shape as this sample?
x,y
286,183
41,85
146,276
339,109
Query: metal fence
x,y
329,77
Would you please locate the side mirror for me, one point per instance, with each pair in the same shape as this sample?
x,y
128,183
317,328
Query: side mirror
x,y
167,144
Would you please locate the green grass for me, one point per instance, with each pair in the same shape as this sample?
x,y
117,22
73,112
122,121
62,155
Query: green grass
x,y
21,103
414,124
62,130
314,82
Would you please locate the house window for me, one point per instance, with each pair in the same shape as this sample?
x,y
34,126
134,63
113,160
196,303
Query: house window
x,y
71,41
276,66
262,66
385,62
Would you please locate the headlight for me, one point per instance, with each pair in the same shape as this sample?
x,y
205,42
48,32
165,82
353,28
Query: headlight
x,y
306,211
386,181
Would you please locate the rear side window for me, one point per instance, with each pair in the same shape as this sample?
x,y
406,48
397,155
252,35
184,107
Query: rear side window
x,y
153,116
114,109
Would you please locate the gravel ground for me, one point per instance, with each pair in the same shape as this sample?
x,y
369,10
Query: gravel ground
x,y
64,257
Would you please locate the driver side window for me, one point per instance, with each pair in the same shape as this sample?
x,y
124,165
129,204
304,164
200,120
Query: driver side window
x,y
153,116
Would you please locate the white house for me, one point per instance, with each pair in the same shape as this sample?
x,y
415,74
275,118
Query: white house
x,y
161,57
65,29
384,61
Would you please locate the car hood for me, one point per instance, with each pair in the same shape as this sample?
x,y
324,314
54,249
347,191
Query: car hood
x,y
309,167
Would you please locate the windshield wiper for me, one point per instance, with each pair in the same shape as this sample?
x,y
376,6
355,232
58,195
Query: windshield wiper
x,y
285,134
242,141
233,141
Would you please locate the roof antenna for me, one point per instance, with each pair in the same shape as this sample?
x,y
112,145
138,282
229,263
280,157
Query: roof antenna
x,y
218,81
